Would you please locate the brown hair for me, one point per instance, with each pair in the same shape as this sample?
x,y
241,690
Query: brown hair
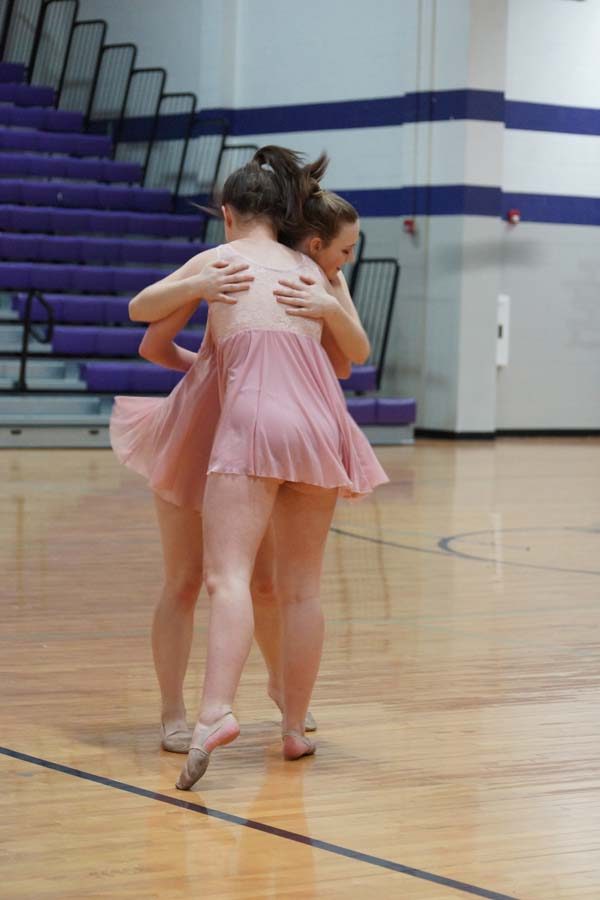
x,y
323,214
276,185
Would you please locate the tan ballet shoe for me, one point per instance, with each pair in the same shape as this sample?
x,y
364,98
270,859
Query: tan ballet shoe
x,y
175,741
309,722
198,757
289,753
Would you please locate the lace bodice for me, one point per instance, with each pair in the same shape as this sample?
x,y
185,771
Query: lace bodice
x,y
257,309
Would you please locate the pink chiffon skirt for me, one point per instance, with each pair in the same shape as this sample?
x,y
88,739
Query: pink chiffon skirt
x,y
262,403
169,440
283,415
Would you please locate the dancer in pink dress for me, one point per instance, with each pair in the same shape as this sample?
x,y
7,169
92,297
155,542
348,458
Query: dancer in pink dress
x,y
169,440
286,446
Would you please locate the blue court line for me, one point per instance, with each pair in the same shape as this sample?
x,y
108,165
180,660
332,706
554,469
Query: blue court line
x,y
261,826
448,551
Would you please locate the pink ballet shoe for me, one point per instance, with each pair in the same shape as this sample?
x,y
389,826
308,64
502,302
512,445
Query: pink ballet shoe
x,y
222,732
177,741
296,745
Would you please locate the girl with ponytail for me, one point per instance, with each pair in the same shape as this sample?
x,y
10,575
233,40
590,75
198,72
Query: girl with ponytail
x,y
257,428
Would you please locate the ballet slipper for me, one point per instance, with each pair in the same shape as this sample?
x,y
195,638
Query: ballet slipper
x,y
309,722
220,733
291,751
177,741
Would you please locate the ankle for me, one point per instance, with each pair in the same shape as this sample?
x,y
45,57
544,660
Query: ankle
x,y
275,692
211,714
292,726
175,715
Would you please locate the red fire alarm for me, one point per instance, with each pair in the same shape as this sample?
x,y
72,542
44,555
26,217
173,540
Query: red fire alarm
x,y
410,226
514,216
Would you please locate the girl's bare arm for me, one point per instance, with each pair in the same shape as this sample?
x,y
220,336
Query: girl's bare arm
x,y
158,345
203,277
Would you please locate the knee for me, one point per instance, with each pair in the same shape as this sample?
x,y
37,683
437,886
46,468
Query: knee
x,y
263,591
219,583
300,595
182,589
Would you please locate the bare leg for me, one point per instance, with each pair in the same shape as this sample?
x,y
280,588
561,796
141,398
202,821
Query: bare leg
x,y
173,621
302,521
267,620
237,510
236,513
267,614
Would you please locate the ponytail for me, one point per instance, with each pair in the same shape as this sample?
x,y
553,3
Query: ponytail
x,y
276,185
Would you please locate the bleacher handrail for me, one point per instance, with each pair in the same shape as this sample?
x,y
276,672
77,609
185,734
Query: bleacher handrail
x,y
28,329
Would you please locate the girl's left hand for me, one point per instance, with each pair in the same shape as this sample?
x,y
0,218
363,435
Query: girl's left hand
x,y
306,298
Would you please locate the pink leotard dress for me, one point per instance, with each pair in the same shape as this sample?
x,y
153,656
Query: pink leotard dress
x,y
261,399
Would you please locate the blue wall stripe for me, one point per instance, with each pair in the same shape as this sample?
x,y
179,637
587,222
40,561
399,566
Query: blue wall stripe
x,y
554,208
547,117
469,200
434,106
437,200
461,200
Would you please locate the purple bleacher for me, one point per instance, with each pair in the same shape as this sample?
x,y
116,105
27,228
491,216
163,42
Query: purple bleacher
x,y
116,309
49,142
86,221
79,309
109,376
75,196
105,341
362,378
18,165
85,279
111,251
12,72
362,409
26,94
40,117
396,411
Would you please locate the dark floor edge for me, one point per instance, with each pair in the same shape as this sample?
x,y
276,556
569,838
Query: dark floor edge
x,y
259,826
505,432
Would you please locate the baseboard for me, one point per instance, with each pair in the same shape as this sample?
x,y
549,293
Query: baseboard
x,y
505,432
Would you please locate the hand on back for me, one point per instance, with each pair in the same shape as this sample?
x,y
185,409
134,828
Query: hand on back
x,y
218,281
305,297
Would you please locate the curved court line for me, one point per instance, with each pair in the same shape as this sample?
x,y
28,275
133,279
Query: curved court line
x,y
374,540
445,543
261,826
448,551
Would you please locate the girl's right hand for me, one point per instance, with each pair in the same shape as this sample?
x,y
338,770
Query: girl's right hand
x,y
219,280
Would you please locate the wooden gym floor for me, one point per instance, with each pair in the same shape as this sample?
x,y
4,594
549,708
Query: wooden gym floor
x,y
458,702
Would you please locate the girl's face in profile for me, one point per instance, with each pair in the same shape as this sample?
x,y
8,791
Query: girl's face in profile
x,y
339,252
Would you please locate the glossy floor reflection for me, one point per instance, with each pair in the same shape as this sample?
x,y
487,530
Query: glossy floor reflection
x,y
457,702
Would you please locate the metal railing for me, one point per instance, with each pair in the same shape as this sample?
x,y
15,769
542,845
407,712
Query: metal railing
x,y
130,104
29,328
82,63
374,294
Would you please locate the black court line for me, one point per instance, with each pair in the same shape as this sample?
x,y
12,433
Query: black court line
x,y
449,551
396,544
261,826
446,542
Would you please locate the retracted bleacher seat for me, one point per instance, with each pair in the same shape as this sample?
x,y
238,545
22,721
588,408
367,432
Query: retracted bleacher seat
x,y
77,226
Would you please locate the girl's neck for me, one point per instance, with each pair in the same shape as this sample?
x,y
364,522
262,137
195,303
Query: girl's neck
x,y
254,231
